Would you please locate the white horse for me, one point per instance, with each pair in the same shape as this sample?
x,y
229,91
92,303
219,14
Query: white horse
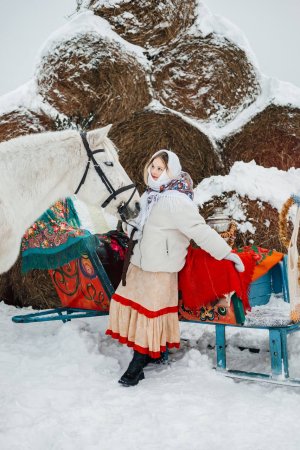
x,y
38,169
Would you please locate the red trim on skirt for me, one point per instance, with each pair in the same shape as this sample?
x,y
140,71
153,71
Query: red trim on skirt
x,y
138,348
146,312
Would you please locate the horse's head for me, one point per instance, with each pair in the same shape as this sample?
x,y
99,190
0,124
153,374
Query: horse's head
x,y
107,184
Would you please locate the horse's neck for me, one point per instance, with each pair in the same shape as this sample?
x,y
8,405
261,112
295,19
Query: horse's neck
x,y
47,171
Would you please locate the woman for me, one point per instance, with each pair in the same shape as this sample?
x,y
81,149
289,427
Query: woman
x,y
144,313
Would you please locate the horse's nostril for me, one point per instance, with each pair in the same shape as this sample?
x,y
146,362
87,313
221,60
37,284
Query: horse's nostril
x,y
137,206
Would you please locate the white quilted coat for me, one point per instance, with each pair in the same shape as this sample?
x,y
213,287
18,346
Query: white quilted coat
x,y
173,221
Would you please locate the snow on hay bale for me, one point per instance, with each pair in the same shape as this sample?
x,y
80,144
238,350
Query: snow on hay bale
x,y
6,294
34,288
208,78
89,75
271,138
23,121
148,131
146,22
257,221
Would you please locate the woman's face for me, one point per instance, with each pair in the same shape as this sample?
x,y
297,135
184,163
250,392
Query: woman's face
x,y
157,167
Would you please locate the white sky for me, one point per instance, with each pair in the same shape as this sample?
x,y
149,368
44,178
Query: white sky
x,y
271,26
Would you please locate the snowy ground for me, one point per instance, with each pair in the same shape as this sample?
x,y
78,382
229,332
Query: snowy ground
x,y
59,391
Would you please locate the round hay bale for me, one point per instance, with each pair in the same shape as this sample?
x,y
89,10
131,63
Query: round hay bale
x,y
208,78
257,221
88,74
34,288
146,22
23,121
6,294
271,138
146,132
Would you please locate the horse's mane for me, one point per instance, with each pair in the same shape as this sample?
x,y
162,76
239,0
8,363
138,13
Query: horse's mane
x,y
40,140
37,139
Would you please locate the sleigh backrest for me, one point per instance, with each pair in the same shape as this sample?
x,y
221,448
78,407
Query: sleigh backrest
x,y
273,282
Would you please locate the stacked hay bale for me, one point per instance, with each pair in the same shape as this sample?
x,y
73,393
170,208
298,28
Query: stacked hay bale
x,y
148,131
257,221
147,23
34,288
271,138
6,293
207,78
90,75
23,121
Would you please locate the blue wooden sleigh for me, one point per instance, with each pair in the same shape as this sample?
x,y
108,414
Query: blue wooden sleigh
x,y
275,281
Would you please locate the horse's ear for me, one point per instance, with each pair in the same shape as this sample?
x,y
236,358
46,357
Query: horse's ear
x,y
96,137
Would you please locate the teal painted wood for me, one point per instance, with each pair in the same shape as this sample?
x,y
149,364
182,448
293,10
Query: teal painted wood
x,y
285,285
284,350
272,282
260,290
221,346
296,198
238,309
276,279
63,314
275,352
260,377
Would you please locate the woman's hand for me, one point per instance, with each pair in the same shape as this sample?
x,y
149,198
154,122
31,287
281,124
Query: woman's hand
x,y
238,263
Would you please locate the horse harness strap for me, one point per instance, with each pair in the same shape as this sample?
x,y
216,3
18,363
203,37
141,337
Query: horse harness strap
x,y
113,193
129,252
90,154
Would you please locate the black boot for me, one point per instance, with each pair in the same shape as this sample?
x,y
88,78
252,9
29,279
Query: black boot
x,y
135,372
156,361
160,360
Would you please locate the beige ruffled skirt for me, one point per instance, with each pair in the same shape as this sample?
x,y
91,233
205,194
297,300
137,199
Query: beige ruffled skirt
x,y
144,313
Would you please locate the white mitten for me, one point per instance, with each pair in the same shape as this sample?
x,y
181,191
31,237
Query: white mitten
x,y
237,261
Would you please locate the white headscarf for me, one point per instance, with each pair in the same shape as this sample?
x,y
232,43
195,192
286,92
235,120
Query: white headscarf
x,y
164,178
149,199
174,166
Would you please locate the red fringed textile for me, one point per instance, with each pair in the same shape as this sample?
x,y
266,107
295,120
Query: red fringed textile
x,y
205,279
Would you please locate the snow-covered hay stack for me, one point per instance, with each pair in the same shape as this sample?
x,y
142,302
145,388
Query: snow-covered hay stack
x,y
90,75
148,131
207,78
271,138
6,294
34,288
257,221
23,121
146,22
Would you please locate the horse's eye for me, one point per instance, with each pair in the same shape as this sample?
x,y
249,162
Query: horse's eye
x,y
109,163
